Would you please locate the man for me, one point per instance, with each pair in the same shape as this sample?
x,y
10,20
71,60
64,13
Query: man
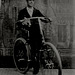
x,y
35,35
29,11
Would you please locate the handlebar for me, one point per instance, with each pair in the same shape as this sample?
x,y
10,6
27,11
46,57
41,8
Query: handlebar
x,y
26,22
39,18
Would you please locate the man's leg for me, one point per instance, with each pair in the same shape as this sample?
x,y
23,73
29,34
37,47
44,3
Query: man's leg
x,y
35,57
36,64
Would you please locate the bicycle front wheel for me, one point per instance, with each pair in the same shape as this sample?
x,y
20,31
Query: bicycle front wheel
x,y
51,60
20,56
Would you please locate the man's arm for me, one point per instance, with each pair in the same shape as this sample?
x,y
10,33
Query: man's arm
x,y
45,19
20,15
37,13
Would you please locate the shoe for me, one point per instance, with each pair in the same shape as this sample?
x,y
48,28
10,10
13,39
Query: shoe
x,y
35,71
30,65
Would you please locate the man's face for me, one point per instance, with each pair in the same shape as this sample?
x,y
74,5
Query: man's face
x,y
30,3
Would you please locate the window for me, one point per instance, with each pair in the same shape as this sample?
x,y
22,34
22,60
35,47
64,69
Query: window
x,y
62,33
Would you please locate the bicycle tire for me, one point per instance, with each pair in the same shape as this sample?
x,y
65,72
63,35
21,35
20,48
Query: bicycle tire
x,y
55,58
20,56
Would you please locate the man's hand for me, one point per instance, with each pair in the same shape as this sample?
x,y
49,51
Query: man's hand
x,y
45,19
48,19
26,22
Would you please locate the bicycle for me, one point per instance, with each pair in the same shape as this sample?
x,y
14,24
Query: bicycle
x,y
49,57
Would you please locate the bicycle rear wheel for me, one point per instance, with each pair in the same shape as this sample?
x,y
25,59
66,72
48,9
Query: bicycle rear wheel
x,y
20,56
51,60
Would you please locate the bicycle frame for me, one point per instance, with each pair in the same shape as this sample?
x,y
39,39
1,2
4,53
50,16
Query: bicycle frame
x,y
28,20
39,19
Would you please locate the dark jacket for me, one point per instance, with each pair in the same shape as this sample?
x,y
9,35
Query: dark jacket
x,y
23,13
35,35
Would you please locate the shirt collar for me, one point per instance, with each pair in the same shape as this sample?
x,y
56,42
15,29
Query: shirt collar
x,y
30,8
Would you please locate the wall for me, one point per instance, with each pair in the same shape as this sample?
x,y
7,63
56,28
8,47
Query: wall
x,y
60,32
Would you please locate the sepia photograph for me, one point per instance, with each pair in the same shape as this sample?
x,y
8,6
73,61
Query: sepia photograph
x,y
37,37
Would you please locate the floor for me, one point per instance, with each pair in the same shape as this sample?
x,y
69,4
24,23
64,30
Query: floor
x,y
13,71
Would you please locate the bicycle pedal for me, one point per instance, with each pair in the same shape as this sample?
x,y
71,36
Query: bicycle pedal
x,y
49,50
29,60
50,65
21,60
41,50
